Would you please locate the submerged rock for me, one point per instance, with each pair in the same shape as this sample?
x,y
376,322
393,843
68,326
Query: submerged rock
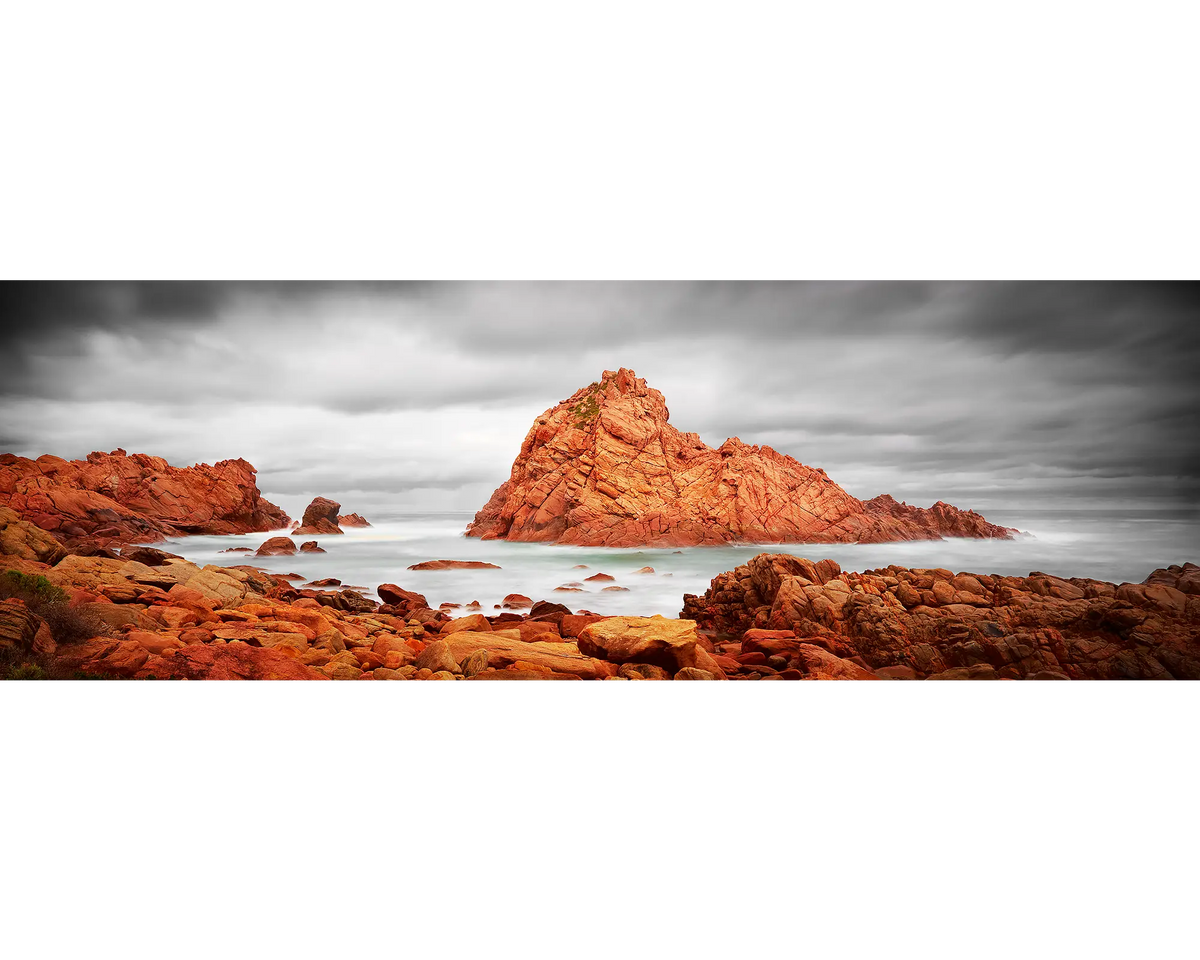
x,y
454,565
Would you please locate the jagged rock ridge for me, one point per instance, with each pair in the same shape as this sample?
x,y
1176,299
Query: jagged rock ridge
x,y
605,468
113,498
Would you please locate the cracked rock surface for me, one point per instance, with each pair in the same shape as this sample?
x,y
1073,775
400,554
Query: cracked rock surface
x,y
606,468
115,498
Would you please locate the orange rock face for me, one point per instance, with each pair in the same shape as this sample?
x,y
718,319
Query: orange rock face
x,y
115,498
321,516
605,468
777,613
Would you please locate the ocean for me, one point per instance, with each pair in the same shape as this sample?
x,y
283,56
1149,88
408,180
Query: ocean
x,y
1109,545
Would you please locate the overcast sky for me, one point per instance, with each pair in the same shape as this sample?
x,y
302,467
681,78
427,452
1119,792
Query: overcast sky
x,y
417,396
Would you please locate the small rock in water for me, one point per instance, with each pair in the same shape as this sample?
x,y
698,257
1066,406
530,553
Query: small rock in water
x,y
645,570
276,547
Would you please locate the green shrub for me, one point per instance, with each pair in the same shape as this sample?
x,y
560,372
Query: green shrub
x,y
34,589
67,625
26,671
587,408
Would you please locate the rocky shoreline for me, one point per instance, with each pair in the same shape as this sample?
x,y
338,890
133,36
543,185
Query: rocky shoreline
x,y
144,614
79,601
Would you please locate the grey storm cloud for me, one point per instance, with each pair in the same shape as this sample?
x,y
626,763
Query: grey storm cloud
x,y
984,392
85,301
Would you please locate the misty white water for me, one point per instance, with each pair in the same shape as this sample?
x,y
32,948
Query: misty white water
x,y
1106,545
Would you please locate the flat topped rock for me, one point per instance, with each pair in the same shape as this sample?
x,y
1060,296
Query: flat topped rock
x,y
453,565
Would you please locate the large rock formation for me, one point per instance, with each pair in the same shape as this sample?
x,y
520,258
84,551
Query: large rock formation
x,y
115,498
605,468
779,613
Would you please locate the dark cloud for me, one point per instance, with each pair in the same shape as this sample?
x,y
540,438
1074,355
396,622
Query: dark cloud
x,y
35,308
1077,317
403,387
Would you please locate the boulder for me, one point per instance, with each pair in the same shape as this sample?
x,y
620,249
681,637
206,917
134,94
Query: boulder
x,y
277,547
351,520
403,600
437,656
505,648
23,630
27,541
671,644
475,621
320,517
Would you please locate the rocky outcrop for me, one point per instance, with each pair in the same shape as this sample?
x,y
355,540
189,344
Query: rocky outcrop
x,y
777,617
320,516
19,538
605,468
778,614
23,630
351,520
115,498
